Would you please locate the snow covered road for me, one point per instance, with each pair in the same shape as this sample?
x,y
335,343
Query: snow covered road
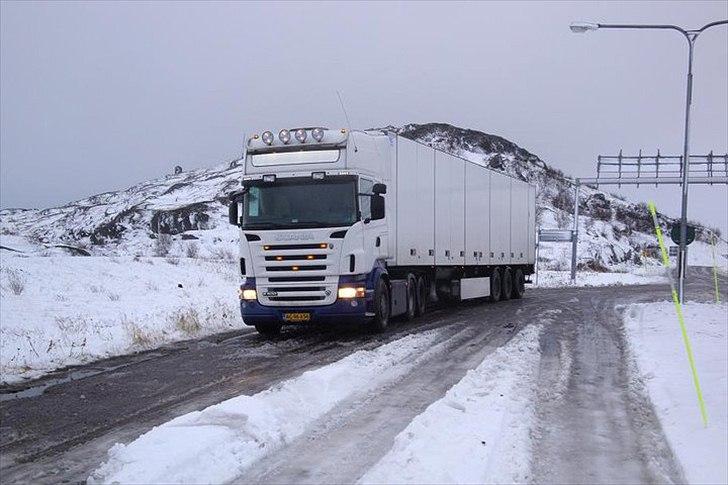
x,y
588,424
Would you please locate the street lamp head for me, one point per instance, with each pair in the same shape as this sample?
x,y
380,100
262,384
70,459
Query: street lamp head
x,y
582,27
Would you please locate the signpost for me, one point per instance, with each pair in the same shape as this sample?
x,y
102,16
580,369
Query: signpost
x,y
555,235
561,235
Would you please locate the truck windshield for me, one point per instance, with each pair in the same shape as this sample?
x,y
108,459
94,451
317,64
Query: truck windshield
x,y
300,203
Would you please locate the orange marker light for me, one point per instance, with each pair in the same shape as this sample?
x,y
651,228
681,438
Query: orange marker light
x,y
310,256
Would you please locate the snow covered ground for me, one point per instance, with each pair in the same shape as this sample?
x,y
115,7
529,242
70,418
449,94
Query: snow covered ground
x,y
699,254
480,431
62,310
661,366
638,276
216,444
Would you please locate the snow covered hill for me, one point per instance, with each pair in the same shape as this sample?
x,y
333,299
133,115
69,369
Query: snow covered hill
x,y
186,214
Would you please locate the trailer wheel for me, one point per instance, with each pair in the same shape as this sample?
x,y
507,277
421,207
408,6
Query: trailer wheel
x,y
411,312
422,296
269,330
495,286
382,307
519,284
507,284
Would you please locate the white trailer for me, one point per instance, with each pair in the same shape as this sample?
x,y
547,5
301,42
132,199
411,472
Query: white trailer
x,y
337,225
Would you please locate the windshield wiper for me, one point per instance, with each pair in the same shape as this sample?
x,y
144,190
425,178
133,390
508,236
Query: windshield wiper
x,y
319,224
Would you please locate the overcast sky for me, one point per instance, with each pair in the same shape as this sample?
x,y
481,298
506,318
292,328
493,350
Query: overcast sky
x,y
97,96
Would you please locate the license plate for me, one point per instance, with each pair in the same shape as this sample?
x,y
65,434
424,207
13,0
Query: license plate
x,y
297,317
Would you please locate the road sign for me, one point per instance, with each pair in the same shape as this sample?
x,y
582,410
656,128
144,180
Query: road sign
x,y
673,251
555,235
675,234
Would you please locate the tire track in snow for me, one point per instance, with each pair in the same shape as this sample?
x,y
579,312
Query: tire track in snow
x,y
213,445
479,432
345,444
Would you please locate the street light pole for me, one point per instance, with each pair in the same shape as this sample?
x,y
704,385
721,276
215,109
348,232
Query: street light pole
x,y
691,36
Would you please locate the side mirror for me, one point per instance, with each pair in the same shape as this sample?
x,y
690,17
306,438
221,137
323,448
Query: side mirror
x,y
379,189
377,207
233,215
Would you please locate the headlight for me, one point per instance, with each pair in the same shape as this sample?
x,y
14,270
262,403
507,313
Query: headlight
x,y
267,137
248,295
284,136
300,135
318,134
348,292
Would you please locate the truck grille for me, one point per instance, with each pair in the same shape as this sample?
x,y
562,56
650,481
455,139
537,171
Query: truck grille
x,y
284,273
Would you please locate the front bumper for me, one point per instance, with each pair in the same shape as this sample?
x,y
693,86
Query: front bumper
x,y
354,309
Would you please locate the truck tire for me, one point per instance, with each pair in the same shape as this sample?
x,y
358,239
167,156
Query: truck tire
x,y
422,296
411,312
495,286
507,283
269,330
519,284
382,307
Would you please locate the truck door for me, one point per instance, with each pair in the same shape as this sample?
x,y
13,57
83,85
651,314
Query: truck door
x,y
375,231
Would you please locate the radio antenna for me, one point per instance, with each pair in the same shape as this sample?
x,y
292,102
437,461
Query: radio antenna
x,y
348,123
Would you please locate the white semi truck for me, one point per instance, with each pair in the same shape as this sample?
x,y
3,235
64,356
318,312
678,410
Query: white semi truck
x,y
368,225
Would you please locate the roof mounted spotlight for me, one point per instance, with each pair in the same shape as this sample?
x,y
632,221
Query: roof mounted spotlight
x,y
301,135
267,137
318,134
284,136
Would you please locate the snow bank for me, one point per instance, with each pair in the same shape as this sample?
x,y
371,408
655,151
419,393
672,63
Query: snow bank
x,y
60,310
479,432
657,351
703,254
216,444
642,276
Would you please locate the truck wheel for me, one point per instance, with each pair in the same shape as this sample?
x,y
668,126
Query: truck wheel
x,y
268,329
411,298
382,307
507,284
519,284
495,285
422,296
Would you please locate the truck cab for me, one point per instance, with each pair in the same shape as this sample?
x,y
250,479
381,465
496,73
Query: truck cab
x,y
312,213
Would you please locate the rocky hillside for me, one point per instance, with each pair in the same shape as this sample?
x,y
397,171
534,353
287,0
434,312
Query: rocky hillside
x,y
186,214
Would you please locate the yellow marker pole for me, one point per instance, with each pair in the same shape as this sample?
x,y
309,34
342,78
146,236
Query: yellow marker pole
x,y
715,270
680,318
